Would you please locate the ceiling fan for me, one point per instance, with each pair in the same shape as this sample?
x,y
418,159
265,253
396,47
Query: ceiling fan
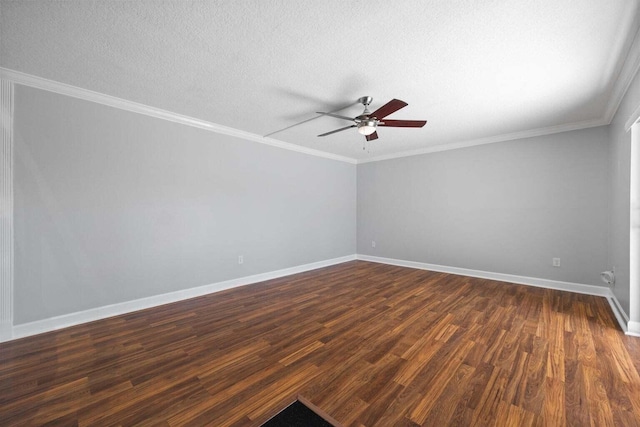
x,y
367,122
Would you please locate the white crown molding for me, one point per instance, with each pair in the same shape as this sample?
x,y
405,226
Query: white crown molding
x,y
633,119
72,319
491,139
629,70
123,104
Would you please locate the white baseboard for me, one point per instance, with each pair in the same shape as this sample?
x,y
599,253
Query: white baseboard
x,y
511,278
634,329
621,316
64,321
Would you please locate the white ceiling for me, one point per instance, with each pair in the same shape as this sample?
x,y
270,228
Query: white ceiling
x,y
476,70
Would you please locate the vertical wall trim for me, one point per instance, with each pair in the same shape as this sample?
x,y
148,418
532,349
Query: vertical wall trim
x,y
634,237
6,210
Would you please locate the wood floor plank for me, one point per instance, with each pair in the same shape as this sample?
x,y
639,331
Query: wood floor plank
x,y
446,373
370,344
444,407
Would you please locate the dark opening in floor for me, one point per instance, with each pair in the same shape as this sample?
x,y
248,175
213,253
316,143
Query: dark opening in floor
x,y
297,415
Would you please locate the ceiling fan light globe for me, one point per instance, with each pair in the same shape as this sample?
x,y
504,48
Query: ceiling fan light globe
x,y
367,127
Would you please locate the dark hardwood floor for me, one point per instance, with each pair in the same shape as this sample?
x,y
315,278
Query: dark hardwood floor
x,y
369,344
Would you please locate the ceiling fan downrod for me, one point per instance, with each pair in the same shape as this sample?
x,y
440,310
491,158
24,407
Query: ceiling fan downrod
x,y
366,101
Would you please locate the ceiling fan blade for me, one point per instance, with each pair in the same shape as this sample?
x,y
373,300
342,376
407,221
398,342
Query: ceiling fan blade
x,y
372,136
337,116
403,123
388,108
337,130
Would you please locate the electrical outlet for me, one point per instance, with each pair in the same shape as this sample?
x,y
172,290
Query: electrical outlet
x,y
240,259
373,243
556,262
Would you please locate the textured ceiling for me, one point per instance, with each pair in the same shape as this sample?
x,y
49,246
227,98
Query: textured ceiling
x,y
474,69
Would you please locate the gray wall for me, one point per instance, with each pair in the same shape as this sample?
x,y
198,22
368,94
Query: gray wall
x,y
112,206
505,207
620,148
